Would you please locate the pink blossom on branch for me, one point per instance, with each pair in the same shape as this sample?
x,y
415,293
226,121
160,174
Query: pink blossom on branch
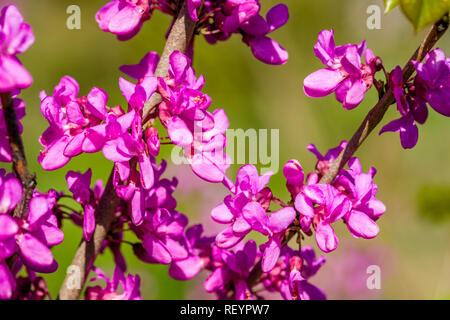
x,y
16,37
344,74
431,85
30,238
218,19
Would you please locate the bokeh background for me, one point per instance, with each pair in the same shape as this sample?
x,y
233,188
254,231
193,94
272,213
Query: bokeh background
x,y
413,247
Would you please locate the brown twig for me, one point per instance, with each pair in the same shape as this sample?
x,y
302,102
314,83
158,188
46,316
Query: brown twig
x,y
178,39
372,119
19,161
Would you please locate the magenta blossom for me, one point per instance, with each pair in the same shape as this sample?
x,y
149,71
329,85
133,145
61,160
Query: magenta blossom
x,y
123,18
344,73
249,187
432,85
79,185
30,238
273,226
255,34
243,17
189,125
361,190
162,236
16,37
78,125
351,197
332,206
411,109
217,20
118,288
231,270
199,248
291,275
435,77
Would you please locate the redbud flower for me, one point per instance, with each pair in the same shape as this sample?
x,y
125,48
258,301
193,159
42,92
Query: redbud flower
x,y
16,37
345,74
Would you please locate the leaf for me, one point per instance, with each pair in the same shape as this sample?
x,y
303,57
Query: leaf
x,y
390,4
424,12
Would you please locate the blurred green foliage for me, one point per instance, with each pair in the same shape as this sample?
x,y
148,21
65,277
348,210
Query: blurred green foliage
x,y
434,203
261,97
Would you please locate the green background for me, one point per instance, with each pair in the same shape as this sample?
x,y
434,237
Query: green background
x,y
412,248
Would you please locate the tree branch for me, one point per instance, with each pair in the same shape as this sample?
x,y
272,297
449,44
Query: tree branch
x,y
178,39
19,161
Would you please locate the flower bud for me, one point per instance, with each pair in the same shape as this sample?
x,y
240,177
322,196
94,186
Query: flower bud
x,y
153,143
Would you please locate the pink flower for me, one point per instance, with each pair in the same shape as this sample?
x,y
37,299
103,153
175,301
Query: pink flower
x,y
16,37
435,75
248,188
256,30
78,125
30,238
199,248
366,208
162,236
123,18
344,73
243,17
273,226
79,185
409,133
333,206
231,269
10,192
189,125
432,85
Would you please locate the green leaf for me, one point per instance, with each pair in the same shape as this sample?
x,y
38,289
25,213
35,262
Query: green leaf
x,y
390,4
424,12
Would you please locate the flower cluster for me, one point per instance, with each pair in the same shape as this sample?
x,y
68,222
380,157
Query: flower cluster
x,y
344,74
350,197
430,86
16,37
216,19
78,124
130,286
237,267
30,238
291,274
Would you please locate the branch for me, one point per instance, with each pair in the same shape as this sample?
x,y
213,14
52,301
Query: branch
x,y
372,119
178,39
19,162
